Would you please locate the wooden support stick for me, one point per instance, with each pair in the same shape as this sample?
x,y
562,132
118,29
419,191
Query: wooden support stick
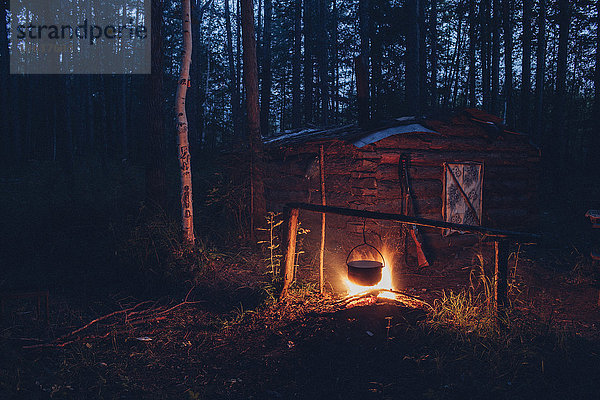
x,y
501,277
322,249
490,232
292,224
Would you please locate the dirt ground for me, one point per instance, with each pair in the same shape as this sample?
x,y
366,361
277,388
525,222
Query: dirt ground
x,y
230,340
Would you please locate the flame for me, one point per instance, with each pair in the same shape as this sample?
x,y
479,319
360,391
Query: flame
x,y
386,281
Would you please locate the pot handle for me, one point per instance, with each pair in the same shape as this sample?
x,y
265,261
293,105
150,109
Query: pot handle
x,y
365,244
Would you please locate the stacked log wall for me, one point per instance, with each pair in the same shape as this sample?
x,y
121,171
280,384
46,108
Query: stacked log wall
x,y
367,178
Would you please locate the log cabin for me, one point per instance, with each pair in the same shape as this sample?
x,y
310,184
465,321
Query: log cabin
x,y
466,168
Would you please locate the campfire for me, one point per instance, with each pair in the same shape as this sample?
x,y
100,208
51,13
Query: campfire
x,y
368,270
367,275
385,285
382,289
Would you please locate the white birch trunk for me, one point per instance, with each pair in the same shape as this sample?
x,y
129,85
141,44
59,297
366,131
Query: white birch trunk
x,y
187,214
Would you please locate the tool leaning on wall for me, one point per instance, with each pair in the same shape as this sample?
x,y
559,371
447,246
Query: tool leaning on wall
x,y
408,209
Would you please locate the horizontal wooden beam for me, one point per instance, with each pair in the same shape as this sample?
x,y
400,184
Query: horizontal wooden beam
x,y
489,232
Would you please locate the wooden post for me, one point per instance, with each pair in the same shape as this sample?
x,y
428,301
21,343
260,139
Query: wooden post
x,y
322,250
291,215
501,277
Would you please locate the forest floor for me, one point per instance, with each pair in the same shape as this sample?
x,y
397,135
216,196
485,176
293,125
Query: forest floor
x,y
226,335
230,339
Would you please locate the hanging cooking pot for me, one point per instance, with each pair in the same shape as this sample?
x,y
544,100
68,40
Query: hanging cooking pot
x,y
365,272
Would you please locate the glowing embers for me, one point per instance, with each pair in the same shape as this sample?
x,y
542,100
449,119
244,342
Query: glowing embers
x,y
385,283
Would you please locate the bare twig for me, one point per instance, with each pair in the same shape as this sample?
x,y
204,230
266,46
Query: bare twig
x,y
76,331
142,317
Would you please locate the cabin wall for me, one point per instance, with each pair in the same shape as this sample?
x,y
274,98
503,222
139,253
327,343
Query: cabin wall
x,y
367,178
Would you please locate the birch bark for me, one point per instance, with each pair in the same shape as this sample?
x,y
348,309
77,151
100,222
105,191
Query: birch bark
x,y
187,214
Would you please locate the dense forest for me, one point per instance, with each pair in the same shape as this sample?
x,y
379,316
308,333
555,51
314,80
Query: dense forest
x,y
116,283
530,62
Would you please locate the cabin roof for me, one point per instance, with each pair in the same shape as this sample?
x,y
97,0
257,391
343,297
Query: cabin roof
x,y
467,123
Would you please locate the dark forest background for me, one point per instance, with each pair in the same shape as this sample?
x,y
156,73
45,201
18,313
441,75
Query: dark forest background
x,y
82,156
530,62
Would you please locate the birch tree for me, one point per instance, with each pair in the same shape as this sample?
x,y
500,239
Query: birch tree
x,y
183,148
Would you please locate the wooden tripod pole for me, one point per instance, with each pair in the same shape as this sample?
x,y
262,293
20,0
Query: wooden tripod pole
x,y
322,250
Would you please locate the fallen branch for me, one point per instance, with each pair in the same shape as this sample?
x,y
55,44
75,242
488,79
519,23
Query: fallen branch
x,y
142,317
76,331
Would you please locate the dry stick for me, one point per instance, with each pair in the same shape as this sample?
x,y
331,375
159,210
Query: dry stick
x,y
322,250
102,318
514,277
291,216
179,305
137,321
143,321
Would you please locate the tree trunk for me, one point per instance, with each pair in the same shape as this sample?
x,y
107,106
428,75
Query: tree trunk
x,y
267,78
457,58
364,11
323,45
233,88
485,53
282,102
187,213
413,94
124,132
198,90
238,69
540,71
433,54
495,56
90,118
64,138
362,90
335,70
376,72
508,63
559,143
472,71
308,62
156,193
526,66
296,105
422,31
594,160
4,89
257,198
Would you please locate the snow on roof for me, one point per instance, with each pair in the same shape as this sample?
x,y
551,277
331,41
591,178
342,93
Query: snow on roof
x,y
350,133
289,135
382,134
468,123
